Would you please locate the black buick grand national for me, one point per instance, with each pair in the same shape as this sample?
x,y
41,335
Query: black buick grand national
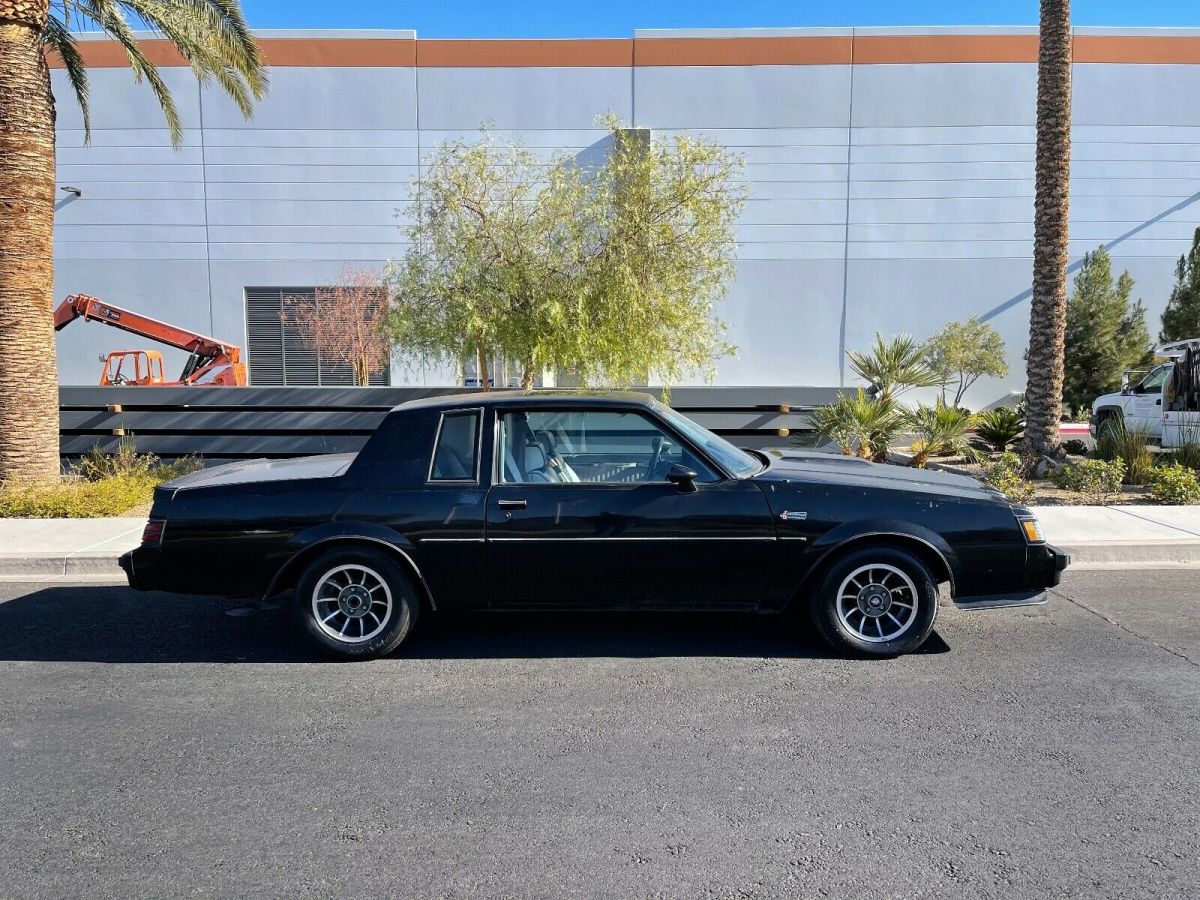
x,y
568,501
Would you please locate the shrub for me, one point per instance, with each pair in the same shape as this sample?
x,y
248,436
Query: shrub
x,y
97,464
1005,475
75,499
998,428
1174,484
1119,441
1097,479
1075,447
103,484
940,431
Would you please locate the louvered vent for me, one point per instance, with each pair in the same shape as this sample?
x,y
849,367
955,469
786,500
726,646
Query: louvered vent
x,y
277,354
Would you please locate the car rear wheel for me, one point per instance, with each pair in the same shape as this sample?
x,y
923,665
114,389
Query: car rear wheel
x,y
356,604
876,601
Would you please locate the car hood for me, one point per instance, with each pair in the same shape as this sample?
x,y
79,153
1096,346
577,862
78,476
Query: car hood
x,y
829,468
260,470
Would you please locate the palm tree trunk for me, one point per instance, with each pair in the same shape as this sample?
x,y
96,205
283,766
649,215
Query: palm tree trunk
x,y
1047,315
28,376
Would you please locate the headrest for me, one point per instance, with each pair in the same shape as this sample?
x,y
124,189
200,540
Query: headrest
x,y
535,457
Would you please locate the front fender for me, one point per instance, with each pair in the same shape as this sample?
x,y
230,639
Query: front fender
x,y
936,548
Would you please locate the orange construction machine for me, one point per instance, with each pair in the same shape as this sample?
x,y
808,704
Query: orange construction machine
x,y
212,362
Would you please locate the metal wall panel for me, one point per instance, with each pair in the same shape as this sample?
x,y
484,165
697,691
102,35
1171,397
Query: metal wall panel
x,y
891,197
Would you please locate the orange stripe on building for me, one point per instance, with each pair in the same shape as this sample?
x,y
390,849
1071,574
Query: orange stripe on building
x,y
721,51
735,51
279,52
524,53
945,48
1137,49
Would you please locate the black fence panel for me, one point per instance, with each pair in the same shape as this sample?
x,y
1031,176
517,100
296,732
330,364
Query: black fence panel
x,y
238,423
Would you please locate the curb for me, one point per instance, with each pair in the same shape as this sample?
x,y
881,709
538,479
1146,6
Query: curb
x,y
1132,553
88,566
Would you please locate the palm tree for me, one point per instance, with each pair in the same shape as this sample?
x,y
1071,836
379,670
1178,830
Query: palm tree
x,y
1047,315
213,37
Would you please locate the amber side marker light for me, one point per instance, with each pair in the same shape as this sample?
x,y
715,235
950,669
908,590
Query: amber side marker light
x,y
153,532
1033,531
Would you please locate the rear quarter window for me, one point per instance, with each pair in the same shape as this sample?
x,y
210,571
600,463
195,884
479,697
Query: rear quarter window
x,y
456,447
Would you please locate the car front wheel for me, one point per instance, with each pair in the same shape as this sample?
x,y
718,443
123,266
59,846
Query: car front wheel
x,y
356,603
876,601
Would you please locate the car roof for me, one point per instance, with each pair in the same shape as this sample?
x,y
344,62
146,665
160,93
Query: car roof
x,y
525,399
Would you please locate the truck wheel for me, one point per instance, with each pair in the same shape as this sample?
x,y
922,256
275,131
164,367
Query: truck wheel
x,y
875,601
356,603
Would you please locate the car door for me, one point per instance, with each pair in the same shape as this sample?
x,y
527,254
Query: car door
x,y
1147,411
581,516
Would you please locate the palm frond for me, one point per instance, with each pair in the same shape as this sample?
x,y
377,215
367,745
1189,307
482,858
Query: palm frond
x,y
211,35
58,40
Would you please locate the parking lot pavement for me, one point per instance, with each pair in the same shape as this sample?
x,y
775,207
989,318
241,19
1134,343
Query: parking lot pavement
x,y
153,745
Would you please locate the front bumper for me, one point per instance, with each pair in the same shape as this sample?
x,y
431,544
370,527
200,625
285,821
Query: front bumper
x,y
1044,566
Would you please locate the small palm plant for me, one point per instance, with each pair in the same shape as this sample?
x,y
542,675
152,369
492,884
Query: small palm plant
x,y
877,423
859,424
835,421
999,427
940,430
893,367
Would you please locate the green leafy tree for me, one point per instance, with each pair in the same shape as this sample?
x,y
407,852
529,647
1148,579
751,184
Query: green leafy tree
x,y
1106,332
211,35
612,269
963,352
1181,318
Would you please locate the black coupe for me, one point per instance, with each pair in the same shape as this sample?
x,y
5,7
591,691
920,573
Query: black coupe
x,y
574,501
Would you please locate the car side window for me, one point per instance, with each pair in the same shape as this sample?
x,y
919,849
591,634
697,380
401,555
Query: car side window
x,y
456,448
563,446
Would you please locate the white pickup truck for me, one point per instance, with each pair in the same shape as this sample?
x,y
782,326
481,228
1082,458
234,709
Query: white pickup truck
x,y
1165,402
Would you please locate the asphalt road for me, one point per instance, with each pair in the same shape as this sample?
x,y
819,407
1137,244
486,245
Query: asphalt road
x,y
153,745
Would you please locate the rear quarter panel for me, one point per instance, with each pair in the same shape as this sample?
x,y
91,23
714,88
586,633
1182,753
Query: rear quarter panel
x,y
230,540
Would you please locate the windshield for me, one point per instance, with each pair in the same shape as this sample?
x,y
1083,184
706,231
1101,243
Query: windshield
x,y
737,462
1154,381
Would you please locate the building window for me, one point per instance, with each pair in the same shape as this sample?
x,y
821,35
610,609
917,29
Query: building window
x,y
277,353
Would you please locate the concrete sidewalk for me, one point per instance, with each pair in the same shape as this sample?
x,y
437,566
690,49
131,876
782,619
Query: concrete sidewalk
x,y
66,549
1096,537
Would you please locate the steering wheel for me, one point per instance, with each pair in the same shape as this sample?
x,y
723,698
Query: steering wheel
x,y
119,379
660,445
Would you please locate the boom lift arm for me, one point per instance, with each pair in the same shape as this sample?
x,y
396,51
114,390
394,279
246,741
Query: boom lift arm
x,y
211,361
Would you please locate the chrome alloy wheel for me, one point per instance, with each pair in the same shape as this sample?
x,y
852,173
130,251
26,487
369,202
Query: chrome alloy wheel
x,y
352,603
877,603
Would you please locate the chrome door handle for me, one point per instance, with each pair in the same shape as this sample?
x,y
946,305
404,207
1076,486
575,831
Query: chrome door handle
x,y
512,504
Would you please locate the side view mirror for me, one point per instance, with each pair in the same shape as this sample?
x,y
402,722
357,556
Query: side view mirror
x,y
683,478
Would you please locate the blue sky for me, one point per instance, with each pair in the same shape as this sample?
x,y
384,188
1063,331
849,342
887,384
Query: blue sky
x,y
618,18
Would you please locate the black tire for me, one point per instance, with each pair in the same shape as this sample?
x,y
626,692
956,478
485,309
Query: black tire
x,y
357,579
874,620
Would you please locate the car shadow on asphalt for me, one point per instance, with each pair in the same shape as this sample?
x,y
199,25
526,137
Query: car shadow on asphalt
x,y
111,624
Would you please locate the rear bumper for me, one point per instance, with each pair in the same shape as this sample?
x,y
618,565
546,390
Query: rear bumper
x,y
126,563
1044,566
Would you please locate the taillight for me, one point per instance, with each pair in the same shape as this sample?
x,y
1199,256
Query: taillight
x,y
153,532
